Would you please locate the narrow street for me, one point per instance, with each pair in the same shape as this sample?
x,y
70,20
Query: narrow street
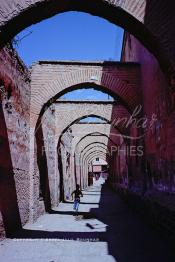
x,y
105,230
87,101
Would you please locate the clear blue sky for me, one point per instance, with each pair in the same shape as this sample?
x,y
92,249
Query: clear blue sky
x,y
87,94
92,120
72,36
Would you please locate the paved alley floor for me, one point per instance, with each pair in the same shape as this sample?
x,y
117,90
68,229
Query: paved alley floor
x,y
105,230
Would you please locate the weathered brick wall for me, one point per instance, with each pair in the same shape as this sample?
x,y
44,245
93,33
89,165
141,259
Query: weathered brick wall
x,y
52,79
67,112
49,126
159,140
80,131
155,205
46,177
67,164
14,135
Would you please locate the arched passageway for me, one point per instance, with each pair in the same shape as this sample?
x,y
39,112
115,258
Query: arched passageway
x,y
126,149
120,80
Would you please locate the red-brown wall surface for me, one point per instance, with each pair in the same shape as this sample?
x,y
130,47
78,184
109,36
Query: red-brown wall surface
x,y
14,141
157,99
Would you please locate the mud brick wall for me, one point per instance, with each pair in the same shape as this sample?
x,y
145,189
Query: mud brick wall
x,y
157,204
68,173
14,139
158,100
45,161
50,147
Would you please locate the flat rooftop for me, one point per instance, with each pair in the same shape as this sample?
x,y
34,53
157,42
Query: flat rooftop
x,y
62,101
90,63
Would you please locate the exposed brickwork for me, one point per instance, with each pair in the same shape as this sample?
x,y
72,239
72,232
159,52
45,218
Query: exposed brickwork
x,y
14,135
46,167
68,165
152,199
159,141
50,79
95,134
75,111
80,131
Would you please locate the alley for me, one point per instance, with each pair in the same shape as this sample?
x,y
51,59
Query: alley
x,y
87,101
105,230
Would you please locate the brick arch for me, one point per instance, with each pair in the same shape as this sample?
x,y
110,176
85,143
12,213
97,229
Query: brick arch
x,y
96,134
90,159
98,145
93,137
85,161
88,139
51,80
75,113
100,116
137,17
100,150
108,115
93,144
96,153
83,132
93,149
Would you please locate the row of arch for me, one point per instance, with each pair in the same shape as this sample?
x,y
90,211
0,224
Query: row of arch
x,y
119,80
91,141
137,17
